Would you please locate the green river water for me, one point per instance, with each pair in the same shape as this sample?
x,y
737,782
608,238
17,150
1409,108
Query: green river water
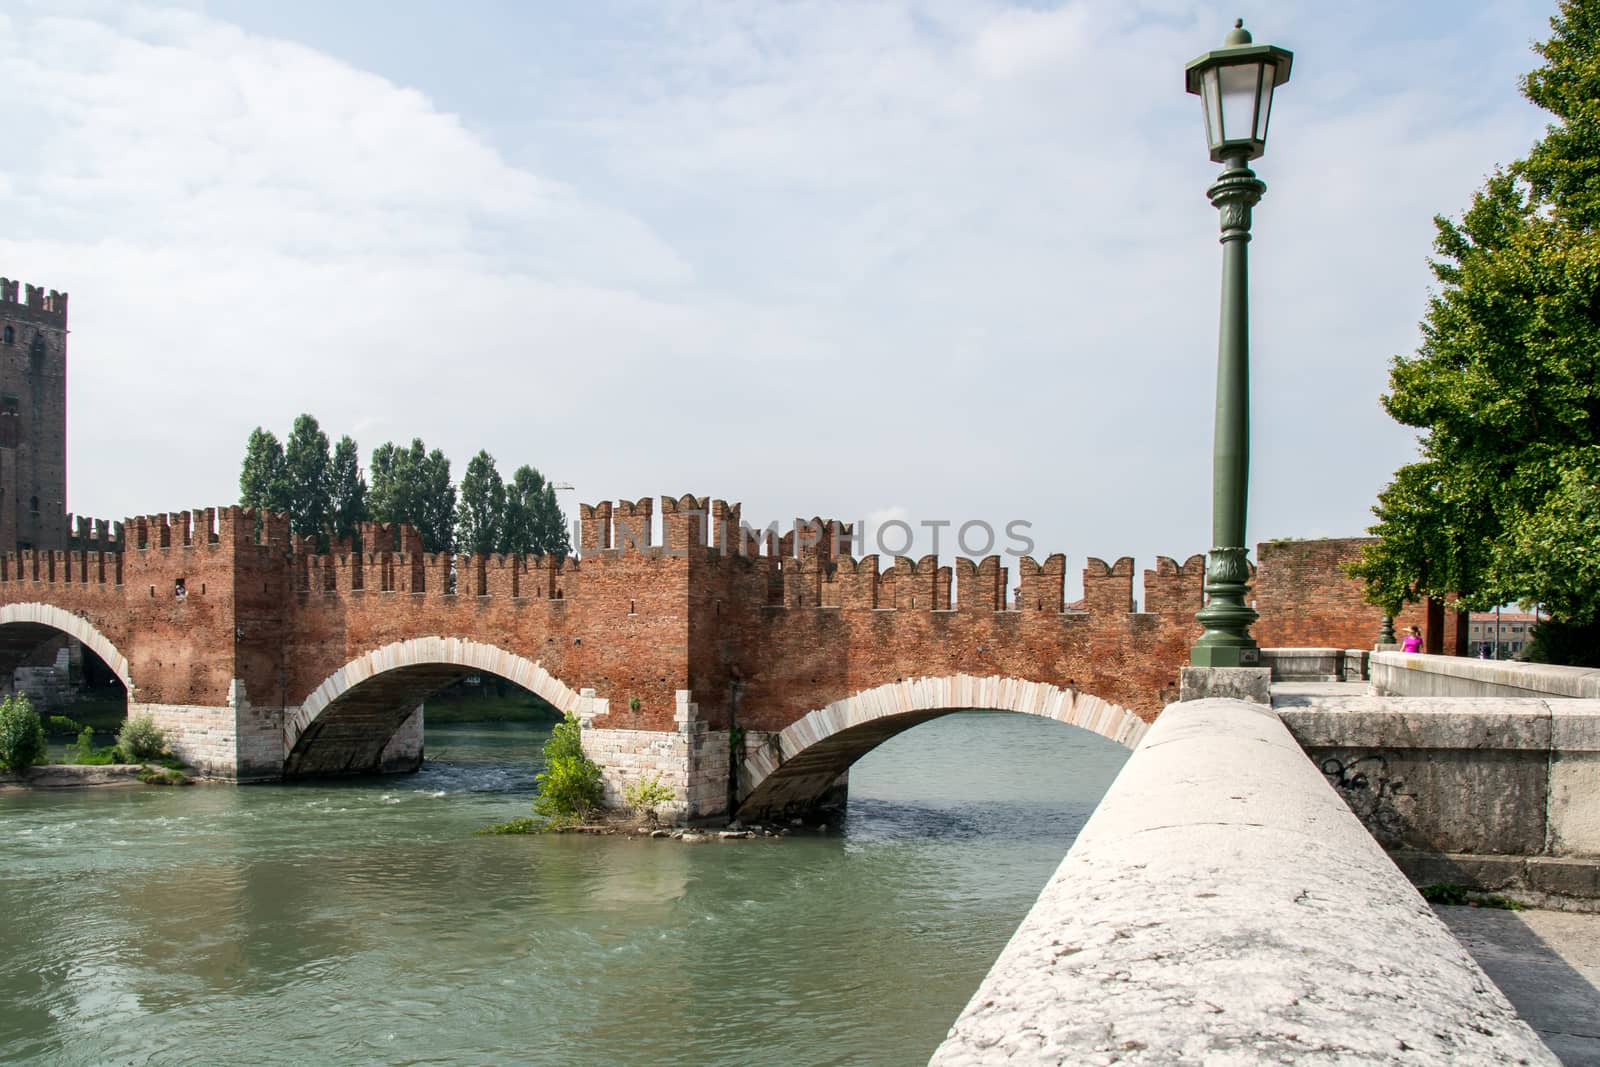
x,y
362,922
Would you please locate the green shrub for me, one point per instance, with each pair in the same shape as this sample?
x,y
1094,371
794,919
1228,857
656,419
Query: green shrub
x,y
522,825
569,785
140,739
22,742
644,796
152,776
61,726
83,751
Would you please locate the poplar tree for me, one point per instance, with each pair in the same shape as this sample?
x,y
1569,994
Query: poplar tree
x,y
307,470
1504,503
347,506
533,520
262,481
481,512
412,485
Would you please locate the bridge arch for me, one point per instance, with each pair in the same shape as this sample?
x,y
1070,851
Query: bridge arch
x,y
38,616
795,770
377,691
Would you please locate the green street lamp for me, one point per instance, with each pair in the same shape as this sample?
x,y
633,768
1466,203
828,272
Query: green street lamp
x,y
1235,83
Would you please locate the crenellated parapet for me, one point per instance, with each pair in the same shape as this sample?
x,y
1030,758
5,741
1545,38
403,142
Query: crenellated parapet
x,y
47,307
85,534
1174,588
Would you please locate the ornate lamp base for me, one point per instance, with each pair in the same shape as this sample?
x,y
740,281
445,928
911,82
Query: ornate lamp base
x,y
1226,616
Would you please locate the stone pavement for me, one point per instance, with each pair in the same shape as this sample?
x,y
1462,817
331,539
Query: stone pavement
x,y
1547,963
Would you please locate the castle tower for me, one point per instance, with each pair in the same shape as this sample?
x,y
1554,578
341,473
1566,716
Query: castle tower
x,y
33,417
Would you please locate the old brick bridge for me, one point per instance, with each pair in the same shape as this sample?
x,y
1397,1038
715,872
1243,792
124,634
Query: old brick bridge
x,y
263,659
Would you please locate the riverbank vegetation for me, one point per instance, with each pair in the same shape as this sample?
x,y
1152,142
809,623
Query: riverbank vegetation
x,y
569,786
22,740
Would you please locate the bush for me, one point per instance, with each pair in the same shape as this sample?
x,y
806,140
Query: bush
x,y
644,796
140,739
61,726
569,786
83,751
22,742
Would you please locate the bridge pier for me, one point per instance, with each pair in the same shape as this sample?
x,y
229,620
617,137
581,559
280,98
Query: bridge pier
x,y
691,759
237,742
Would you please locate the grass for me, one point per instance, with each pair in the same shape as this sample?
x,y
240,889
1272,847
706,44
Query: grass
x,y
514,826
152,776
1451,893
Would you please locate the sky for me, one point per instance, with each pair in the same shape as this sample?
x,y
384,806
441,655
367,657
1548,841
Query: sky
x,y
935,261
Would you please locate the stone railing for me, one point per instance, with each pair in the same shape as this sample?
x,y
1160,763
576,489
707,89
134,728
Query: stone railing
x,y
1316,664
1223,902
1411,675
1491,792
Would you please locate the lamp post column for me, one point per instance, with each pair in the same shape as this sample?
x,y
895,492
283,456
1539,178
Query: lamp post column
x,y
1226,616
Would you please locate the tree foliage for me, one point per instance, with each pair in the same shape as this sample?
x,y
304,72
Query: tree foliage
x,y
263,481
412,485
533,519
347,494
308,470
569,785
22,740
328,497
1504,503
480,513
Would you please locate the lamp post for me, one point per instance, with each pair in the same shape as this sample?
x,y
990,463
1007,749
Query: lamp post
x,y
1235,84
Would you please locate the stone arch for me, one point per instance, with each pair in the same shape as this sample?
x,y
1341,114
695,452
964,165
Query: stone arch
x,y
74,626
797,767
435,661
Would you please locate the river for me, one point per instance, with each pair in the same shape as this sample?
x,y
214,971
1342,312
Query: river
x,y
362,921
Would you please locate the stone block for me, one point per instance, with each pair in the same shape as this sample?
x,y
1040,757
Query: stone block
x,y
1253,684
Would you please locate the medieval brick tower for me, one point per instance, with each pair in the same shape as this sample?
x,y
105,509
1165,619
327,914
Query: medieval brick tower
x,y
33,417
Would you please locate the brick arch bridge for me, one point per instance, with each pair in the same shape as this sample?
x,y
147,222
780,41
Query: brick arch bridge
x,y
802,768
263,658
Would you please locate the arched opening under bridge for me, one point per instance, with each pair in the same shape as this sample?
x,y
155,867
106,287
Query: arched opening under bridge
x,y
66,667
801,771
366,717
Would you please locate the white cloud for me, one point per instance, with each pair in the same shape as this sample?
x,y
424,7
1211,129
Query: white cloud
x,y
820,256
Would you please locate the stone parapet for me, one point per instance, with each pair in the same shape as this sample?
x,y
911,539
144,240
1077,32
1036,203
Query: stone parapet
x,y
1224,905
1498,776
1412,675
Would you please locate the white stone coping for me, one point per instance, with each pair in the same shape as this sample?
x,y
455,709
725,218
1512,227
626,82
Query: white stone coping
x,y
1223,905
74,626
1535,678
1505,724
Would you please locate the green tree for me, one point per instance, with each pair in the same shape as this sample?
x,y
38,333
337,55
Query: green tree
x,y
569,785
533,520
22,740
412,485
263,481
347,505
1505,387
481,512
307,468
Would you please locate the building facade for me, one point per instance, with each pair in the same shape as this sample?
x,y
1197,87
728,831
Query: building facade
x,y
1502,636
33,417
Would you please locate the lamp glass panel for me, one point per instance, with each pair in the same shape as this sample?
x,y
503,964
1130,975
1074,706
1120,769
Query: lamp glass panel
x,y
1268,76
1211,100
1239,84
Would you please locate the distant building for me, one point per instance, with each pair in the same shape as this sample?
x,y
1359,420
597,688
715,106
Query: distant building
x,y
1516,630
33,417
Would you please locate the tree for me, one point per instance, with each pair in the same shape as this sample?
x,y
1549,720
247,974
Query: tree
x,y
347,504
307,471
262,479
1505,387
412,485
481,513
533,520
22,740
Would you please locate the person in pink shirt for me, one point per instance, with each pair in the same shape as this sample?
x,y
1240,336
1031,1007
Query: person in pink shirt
x,y
1413,641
